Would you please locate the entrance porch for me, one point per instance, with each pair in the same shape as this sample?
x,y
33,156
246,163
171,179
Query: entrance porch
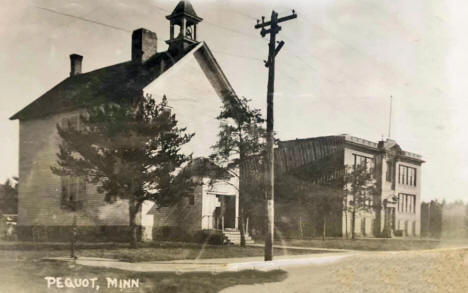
x,y
220,208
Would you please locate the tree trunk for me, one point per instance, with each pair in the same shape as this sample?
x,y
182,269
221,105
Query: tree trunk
x,y
241,198
242,226
301,231
247,225
324,228
346,222
132,209
353,223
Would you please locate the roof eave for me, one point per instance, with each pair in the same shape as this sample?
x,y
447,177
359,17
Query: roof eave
x,y
220,72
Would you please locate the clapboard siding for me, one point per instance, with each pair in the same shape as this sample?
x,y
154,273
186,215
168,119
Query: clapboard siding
x,y
183,215
39,201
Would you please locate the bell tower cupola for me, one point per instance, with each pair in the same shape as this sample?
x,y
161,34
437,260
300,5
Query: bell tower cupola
x,y
183,27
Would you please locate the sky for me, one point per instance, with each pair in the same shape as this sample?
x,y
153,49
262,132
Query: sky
x,y
341,62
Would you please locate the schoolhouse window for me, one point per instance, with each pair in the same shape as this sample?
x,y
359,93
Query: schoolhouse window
x,y
407,203
364,161
73,192
72,122
407,175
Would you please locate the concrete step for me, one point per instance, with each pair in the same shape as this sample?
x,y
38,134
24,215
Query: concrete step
x,y
237,242
234,237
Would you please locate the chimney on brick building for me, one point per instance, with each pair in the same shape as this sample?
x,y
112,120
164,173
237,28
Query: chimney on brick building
x,y
75,64
144,45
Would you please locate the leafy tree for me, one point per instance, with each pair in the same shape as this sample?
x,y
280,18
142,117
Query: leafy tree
x,y
239,140
360,188
453,216
130,150
319,200
431,218
9,196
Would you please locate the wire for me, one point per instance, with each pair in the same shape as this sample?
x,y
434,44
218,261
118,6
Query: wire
x,y
82,19
236,55
213,24
220,52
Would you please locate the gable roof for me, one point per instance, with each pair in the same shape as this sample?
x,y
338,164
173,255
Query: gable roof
x,y
120,81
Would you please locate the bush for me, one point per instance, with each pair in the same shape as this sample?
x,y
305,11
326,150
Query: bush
x,y
214,237
171,233
398,233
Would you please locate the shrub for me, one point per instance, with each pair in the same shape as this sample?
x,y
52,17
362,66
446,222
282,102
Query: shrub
x,y
398,233
215,237
171,233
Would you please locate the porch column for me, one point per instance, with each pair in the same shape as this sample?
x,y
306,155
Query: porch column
x,y
247,226
222,201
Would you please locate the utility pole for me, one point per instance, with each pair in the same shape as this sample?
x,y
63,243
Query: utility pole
x,y
273,50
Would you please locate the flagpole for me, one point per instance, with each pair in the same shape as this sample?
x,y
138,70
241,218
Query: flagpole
x,y
390,117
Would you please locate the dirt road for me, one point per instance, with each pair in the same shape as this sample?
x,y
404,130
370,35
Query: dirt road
x,y
443,270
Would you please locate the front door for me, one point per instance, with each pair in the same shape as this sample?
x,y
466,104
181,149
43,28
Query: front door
x,y
389,221
230,212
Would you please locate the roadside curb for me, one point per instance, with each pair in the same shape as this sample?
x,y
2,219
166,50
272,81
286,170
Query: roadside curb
x,y
304,248
283,263
210,267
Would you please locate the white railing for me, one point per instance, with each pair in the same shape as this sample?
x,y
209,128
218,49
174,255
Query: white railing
x,y
374,145
211,222
360,141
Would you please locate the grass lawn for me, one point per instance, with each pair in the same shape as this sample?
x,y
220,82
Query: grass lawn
x,y
28,276
375,244
157,251
21,268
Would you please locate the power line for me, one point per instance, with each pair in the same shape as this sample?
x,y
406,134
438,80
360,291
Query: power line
x,y
126,30
219,52
82,19
305,18
299,57
305,63
236,55
212,24
343,43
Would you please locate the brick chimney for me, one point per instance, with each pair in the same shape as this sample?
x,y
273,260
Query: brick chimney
x,y
144,45
75,64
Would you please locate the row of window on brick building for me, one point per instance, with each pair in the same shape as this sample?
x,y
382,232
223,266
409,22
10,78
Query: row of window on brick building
x,y
406,203
406,174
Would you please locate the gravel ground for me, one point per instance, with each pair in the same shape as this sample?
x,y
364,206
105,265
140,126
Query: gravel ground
x,y
442,270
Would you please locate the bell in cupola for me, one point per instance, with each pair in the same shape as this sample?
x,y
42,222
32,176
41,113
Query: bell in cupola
x,y
183,27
